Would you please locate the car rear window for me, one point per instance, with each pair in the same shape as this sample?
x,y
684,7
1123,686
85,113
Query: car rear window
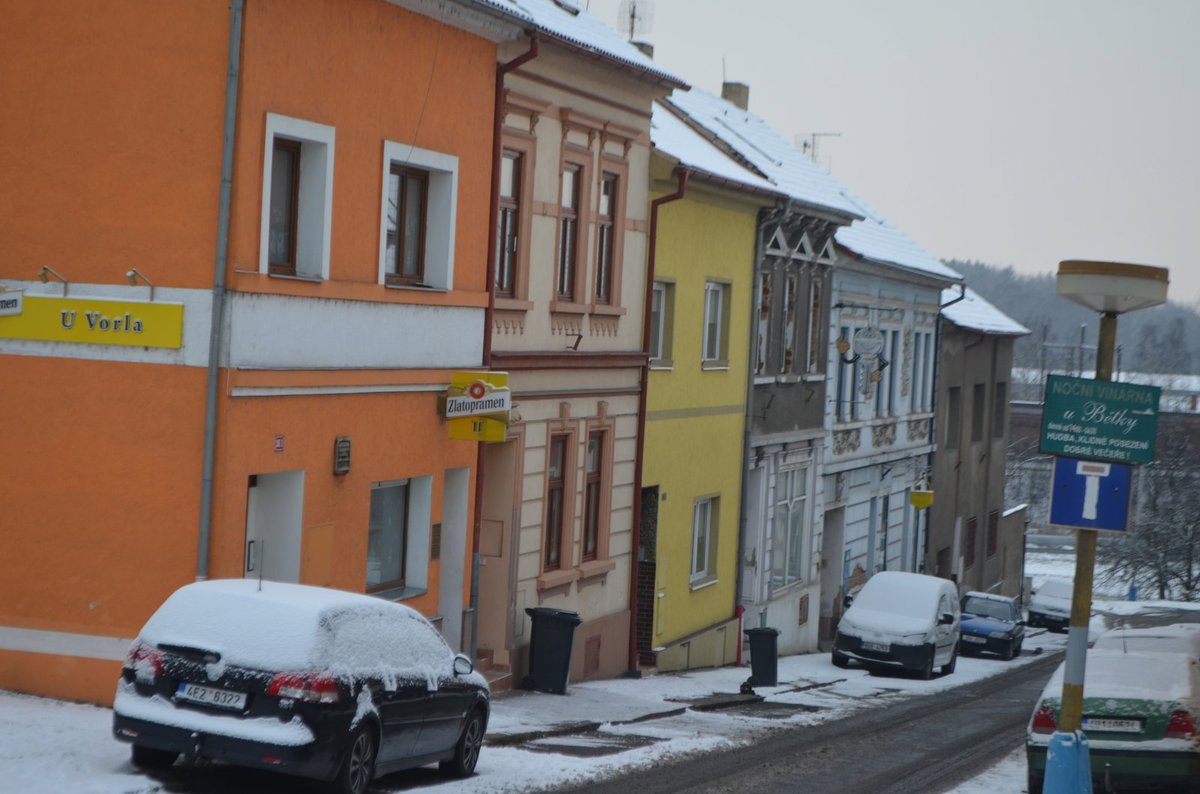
x,y
280,627
1056,588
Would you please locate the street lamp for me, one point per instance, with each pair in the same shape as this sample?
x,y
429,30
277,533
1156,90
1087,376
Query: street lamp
x,y
1110,288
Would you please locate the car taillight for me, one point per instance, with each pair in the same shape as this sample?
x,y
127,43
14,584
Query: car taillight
x,y
145,661
1044,721
310,687
1181,726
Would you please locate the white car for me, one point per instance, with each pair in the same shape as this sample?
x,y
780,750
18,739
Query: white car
x,y
1173,638
1050,605
901,620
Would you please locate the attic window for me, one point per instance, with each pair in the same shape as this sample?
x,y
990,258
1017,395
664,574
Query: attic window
x,y
570,6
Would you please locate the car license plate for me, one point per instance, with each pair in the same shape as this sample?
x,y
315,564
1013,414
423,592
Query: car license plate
x,y
882,647
1112,726
210,696
976,640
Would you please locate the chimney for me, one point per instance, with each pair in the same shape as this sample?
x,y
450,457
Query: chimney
x,y
737,93
646,47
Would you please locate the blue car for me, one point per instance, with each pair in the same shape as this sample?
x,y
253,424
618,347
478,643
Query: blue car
x,y
991,623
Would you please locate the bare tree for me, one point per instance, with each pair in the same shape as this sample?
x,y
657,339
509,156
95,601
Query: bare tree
x,y
1162,547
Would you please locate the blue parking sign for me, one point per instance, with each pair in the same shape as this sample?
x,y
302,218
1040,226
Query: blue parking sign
x,y
1090,495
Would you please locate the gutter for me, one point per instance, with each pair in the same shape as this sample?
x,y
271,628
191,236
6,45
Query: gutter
x,y
643,389
216,323
747,431
488,313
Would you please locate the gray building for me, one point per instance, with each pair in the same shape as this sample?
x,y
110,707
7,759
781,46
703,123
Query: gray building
x,y
972,538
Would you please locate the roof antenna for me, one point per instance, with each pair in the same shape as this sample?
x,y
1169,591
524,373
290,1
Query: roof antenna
x,y
635,17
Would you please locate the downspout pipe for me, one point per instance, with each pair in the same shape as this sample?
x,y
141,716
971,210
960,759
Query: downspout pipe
x,y
643,388
216,331
747,432
488,313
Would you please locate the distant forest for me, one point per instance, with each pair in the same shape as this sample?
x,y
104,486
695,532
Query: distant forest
x,y
1164,339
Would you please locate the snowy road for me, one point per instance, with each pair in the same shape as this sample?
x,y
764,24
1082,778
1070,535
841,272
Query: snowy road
x,y
916,746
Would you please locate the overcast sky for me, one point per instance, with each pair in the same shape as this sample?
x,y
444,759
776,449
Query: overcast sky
x,y
1014,132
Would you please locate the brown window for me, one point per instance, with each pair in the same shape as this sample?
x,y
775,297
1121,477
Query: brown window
x,y
508,223
953,415
971,541
993,536
592,494
977,399
408,194
285,194
816,350
555,502
605,235
568,233
999,408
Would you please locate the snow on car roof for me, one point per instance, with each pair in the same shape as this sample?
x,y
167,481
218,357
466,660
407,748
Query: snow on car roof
x,y
899,592
1140,675
277,627
987,596
1174,638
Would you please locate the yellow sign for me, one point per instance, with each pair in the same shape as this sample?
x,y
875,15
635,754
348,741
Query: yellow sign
x,y
96,321
477,404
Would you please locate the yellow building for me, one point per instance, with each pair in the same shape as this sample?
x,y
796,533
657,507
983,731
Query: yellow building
x,y
704,210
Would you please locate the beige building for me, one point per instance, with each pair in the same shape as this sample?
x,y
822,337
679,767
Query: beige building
x,y
557,524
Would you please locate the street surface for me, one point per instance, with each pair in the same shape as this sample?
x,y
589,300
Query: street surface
x,y
917,746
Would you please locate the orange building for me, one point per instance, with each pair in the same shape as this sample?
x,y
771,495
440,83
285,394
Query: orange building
x,y
245,246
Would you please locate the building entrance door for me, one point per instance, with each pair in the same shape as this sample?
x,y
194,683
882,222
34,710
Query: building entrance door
x,y
274,521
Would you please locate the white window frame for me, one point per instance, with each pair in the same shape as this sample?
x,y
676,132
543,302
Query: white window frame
x,y
704,526
418,527
715,358
441,212
314,210
781,541
658,328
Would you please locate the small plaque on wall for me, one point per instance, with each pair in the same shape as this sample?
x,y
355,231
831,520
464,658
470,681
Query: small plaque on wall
x,y
341,455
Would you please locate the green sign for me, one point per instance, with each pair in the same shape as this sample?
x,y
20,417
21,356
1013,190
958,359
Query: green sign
x,y
1099,420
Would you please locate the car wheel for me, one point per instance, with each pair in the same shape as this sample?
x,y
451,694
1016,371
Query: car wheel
x,y
358,767
840,661
466,752
927,670
149,758
1010,651
949,666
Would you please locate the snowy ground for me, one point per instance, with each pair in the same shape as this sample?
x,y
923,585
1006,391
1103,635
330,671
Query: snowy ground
x,y
537,740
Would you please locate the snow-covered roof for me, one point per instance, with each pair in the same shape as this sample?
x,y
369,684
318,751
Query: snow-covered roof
x,y
676,139
767,151
976,314
796,175
569,22
875,239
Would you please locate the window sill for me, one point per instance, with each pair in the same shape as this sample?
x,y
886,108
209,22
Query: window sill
x,y
513,305
593,568
417,287
602,308
297,277
717,364
663,364
552,579
399,593
700,584
568,307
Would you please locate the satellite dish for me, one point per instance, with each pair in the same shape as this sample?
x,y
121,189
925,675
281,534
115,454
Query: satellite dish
x,y
635,18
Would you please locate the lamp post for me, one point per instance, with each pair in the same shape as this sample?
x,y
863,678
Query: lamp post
x,y
1110,288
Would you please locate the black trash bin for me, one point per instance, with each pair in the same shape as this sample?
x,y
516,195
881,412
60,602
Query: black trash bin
x,y
764,656
550,649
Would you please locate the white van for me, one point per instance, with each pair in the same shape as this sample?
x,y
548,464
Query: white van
x,y
901,620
